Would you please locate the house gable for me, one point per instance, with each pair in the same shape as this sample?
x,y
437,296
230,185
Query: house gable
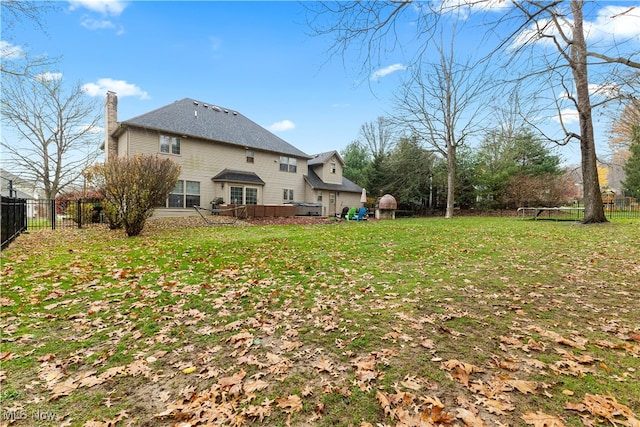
x,y
328,167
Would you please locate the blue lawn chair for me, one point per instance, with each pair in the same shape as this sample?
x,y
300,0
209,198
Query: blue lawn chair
x,y
361,215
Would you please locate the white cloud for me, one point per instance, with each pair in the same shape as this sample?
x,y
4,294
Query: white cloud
x,y
10,51
569,116
121,87
606,90
615,22
282,126
386,71
612,23
105,7
48,76
96,24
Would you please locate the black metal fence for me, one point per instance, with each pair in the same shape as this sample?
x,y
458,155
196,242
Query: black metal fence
x,y
629,209
55,214
13,219
19,215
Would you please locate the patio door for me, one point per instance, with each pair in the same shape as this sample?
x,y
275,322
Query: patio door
x,y
332,204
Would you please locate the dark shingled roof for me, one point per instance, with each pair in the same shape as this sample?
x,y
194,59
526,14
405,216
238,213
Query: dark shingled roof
x,y
317,184
207,121
238,176
321,158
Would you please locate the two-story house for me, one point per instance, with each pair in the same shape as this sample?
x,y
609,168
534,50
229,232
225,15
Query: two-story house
x,y
225,155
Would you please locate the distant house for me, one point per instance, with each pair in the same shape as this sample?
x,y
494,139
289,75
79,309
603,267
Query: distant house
x,y
12,185
225,155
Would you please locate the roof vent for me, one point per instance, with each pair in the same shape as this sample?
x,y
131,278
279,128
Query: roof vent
x,y
235,113
205,105
226,111
215,107
195,102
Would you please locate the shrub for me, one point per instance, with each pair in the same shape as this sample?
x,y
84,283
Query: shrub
x,y
132,187
111,214
86,209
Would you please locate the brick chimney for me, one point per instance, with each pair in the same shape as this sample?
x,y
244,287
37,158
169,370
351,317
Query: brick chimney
x,y
111,124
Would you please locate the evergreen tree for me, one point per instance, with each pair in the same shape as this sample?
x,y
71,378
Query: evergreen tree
x,y
504,162
376,177
410,169
357,161
631,184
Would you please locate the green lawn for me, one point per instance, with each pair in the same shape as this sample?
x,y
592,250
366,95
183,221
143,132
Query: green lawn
x,y
470,321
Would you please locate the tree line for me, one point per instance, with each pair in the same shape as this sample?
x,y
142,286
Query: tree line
x,y
506,170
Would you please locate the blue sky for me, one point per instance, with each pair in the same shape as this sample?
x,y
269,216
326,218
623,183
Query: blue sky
x,y
253,57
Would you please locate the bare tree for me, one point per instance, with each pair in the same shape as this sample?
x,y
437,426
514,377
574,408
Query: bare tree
x,y
527,22
16,61
378,136
441,104
55,130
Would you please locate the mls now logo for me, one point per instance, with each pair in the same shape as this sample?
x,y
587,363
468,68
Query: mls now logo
x,y
14,415
21,414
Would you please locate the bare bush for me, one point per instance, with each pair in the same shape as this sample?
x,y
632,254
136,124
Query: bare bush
x,y
133,187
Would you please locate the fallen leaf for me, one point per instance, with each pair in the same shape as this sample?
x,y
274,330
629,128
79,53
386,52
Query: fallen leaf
x,y
469,418
540,419
290,404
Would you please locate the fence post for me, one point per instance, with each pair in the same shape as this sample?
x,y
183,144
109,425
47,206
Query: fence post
x,y
52,209
79,210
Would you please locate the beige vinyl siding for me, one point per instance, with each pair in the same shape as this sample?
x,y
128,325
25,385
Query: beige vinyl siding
x,y
202,160
324,172
123,145
142,141
343,198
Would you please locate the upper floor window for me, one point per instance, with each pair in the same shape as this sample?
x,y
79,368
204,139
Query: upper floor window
x,y
333,167
250,156
288,164
169,144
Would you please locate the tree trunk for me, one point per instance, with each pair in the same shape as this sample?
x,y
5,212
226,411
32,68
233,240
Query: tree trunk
x,y
593,207
451,179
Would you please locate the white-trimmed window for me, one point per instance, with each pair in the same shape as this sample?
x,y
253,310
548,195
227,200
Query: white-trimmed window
x,y
287,195
333,167
250,156
319,199
169,144
184,194
237,195
251,195
192,193
244,195
288,164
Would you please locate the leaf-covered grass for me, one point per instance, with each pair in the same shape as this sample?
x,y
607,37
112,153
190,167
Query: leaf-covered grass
x,y
444,322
